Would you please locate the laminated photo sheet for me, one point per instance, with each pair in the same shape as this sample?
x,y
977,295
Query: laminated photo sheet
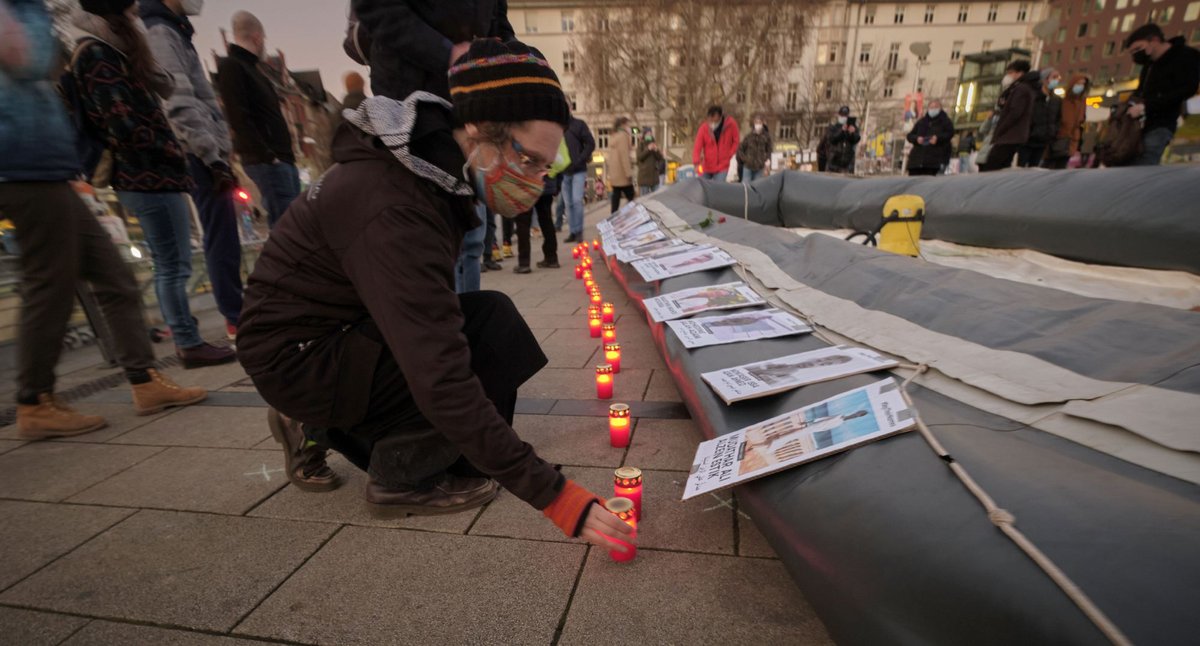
x,y
774,376
839,423
650,250
694,260
646,236
695,300
747,325
628,218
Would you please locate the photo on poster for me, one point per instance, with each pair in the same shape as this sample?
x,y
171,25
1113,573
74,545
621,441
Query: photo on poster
x,y
779,375
740,326
695,300
834,425
700,259
649,250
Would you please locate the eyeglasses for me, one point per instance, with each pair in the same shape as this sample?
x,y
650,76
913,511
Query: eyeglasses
x,y
532,165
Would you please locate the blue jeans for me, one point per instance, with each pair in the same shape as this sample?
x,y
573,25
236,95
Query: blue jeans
x,y
279,184
572,189
222,247
467,269
560,210
166,220
751,175
1154,144
643,191
717,176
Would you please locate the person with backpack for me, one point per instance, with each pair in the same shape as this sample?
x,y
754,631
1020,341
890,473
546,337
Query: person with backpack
x,y
61,242
1170,76
120,86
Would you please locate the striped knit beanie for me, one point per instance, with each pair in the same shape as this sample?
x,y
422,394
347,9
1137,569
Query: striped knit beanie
x,y
506,83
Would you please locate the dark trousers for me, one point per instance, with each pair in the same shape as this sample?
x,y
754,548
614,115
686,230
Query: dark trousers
x,y
1000,157
617,192
394,442
489,236
62,243
1030,156
922,171
222,248
544,210
507,226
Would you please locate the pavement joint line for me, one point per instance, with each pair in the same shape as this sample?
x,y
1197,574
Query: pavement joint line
x,y
160,451
478,515
737,526
76,631
562,621
60,556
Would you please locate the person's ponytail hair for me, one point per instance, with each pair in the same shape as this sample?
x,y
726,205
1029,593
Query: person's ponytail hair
x,y
137,50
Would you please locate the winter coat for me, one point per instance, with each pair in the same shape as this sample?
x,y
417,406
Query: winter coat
x,y
712,155
192,108
37,139
376,238
966,144
260,133
931,155
1165,84
648,161
839,148
620,159
1073,115
147,158
408,42
755,150
1015,111
580,144
1043,126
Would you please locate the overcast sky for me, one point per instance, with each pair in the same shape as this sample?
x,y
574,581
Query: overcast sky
x,y
309,32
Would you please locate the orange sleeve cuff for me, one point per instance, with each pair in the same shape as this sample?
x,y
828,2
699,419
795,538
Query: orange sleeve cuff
x,y
570,508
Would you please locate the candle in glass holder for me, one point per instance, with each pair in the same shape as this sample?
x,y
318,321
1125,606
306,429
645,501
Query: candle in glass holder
x,y
604,381
627,483
594,326
596,298
612,356
594,309
623,508
578,272
609,332
588,284
619,424
587,274
596,243
575,253
609,312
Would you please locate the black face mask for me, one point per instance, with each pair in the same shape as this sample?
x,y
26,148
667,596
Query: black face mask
x,y
1142,58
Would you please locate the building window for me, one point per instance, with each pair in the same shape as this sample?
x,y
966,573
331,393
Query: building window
x,y
1087,53
889,89
898,17
568,21
929,9
572,101
864,53
531,22
1074,54
993,9
1162,16
833,52
740,97
830,89
1016,43
893,59
602,137
1082,31
1062,34
793,97
987,46
956,50
1122,4
1110,48
964,10
1127,22
1099,4
1022,12
822,52
869,16
1192,12
1196,36
639,102
1114,25
1102,75
787,130
951,85
569,61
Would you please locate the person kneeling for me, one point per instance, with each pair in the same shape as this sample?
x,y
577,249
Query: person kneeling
x,y
356,336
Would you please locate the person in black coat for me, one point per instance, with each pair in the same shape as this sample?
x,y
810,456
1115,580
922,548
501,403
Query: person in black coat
x,y
930,138
581,144
1170,76
1043,128
840,141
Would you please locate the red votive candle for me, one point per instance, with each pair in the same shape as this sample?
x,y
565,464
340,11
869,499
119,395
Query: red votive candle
x,y
609,312
612,356
578,271
594,326
604,381
575,253
619,424
609,332
596,298
623,508
595,243
627,483
594,309
588,284
587,274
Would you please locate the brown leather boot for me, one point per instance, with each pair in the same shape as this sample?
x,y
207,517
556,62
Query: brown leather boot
x,y
161,393
305,461
451,494
52,418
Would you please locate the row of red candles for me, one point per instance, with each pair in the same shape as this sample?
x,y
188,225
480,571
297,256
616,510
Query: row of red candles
x,y
627,483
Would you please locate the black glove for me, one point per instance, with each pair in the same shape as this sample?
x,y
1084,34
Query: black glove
x,y
223,179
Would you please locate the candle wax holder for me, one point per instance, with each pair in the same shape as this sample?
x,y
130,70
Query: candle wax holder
x,y
619,424
604,381
623,508
594,327
627,483
609,332
609,312
578,272
612,356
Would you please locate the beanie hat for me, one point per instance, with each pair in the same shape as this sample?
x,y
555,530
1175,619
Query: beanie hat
x,y
105,7
506,83
1045,74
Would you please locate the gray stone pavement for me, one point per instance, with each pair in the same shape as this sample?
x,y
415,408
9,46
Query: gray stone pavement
x,y
181,529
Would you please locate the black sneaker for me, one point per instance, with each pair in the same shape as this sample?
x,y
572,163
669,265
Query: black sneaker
x,y
522,269
572,238
492,265
204,355
549,264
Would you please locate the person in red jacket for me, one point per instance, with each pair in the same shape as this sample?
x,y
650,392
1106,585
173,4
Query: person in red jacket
x,y
716,144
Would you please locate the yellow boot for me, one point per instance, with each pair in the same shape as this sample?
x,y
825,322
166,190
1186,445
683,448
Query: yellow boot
x,y
52,418
162,393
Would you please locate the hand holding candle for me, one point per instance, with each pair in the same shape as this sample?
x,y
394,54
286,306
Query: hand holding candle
x,y
623,550
619,423
604,381
627,483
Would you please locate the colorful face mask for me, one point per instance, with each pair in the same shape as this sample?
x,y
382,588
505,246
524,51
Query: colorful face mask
x,y
506,190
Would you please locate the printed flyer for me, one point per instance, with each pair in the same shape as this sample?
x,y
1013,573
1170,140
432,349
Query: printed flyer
x,y
787,373
700,259
686,302
737,327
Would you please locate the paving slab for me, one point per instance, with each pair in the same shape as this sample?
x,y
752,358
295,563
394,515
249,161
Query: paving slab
x,y
576,441
54,471
422,588
698,525
192,570
664,444
564,383
109,633
34,534
570,350
210,378
204,426
8,445
225,481
30,628
121,419
662,388
673,598
751,542
559,321
511,517
345,505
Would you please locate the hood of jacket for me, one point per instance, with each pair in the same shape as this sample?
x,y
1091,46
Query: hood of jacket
x,y
89,25
156,11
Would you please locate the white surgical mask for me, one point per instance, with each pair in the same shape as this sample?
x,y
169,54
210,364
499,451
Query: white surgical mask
x,y
1077,88
1006,81
843,120
191,7
758,127
933,112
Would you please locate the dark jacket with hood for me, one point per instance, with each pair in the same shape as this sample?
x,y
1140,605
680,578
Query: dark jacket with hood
x,y
580,144
1167,82
1015,111
839,148
1047,111
345,253
260,133
929,155
648,160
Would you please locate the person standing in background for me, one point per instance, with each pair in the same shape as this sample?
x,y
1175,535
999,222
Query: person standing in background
x,y
197,120
581,145
355,91
1043,129
1014,115
1072,116
649,157
930,138
841,142
261,136
620,163
716,144
1170,75
966,152
755,152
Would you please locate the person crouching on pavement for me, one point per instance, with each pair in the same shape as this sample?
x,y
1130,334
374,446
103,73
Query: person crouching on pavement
x,y
356,337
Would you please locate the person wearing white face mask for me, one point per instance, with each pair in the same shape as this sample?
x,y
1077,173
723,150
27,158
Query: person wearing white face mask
x,y
930,138
1014,114
1043,127
755,151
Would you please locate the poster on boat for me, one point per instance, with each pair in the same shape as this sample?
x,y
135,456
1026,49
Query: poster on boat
x,y
695,300
630,216
650,250
839,423
747,325
773,376
694,260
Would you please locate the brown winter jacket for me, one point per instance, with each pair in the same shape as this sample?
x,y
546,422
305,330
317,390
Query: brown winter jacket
x,y
1016,111
1074,113
620,159
374,238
